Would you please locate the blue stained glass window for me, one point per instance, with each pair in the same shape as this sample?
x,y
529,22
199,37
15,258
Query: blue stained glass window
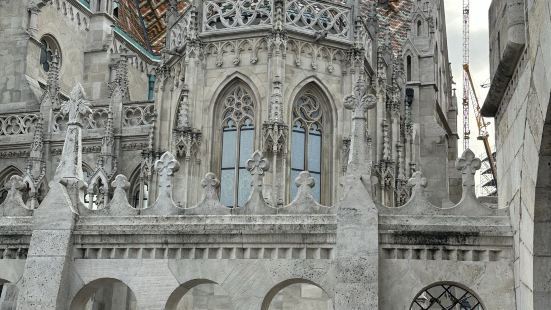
x,y
237,146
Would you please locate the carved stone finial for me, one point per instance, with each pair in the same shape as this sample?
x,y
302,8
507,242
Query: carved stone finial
x,y
119,205
77,107
14,205
304,202
165,167
256,204
468,164
304,181
210,185
184,119
417,181
359,102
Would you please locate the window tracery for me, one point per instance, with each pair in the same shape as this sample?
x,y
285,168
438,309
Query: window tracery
x,y
238,133
49,48
307,139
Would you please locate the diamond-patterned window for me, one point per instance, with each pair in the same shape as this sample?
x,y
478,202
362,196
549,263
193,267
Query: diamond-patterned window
x,y
445,296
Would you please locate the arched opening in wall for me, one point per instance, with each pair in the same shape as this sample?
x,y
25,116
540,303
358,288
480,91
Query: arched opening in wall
x,y
105,293
419,28
297,294
408,68
312,136
542,222
200,294
49,48
5,176
139,188
445,296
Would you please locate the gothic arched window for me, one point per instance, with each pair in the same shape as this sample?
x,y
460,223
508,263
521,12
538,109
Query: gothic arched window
x,y
408,68
238,132
310,126
419,28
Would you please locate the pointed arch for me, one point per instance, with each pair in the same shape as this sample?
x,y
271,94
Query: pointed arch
x,y
235,130
312,122
139,188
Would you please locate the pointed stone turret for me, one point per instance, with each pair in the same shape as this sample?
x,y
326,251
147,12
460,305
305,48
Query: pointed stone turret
x,y
119,85
51,94
36,167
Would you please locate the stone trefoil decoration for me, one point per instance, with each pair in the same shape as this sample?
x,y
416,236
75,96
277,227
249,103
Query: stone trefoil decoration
x,y
165,167
304,202
360,102
468,164
257,166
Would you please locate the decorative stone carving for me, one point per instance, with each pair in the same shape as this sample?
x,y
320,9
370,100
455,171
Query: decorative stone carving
x,y
36,166
468,164
210,203
165,167
17,124
256,204
138,115
77,108
304,202
52,89
231,14
319,17
187,142
359,102
14,204
119,205
119,85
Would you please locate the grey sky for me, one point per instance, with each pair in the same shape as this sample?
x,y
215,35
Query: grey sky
x,y
479,63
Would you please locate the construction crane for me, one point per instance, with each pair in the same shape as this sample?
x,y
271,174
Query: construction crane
x,y
468,88
466,60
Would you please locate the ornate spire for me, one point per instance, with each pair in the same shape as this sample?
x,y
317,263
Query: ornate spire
x,y
107,161
77,108
120,80
360,102
52,89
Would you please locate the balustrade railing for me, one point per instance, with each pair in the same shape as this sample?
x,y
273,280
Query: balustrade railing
x,y
18,124
323,18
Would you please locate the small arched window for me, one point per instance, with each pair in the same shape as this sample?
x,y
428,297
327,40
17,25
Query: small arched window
x,y
48,48
408,68
238,133
116,7
310,132
445,296
419,28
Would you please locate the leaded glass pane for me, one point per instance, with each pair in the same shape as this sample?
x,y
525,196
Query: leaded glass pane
x,y
314,152
297,149
445,297
294,188
317,187
247,145
228,148
244,189
226,187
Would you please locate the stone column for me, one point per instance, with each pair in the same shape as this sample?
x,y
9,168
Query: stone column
x,y
45,278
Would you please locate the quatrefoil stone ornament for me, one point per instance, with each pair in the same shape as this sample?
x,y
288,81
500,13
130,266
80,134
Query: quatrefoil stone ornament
x,y
305,181
210,183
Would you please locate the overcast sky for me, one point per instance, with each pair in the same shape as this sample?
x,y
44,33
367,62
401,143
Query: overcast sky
x,y
479,64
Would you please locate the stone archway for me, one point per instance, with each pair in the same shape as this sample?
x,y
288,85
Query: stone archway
x,y
200,294
297,294
105,293
542,223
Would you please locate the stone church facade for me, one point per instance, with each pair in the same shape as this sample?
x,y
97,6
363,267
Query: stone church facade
x,y
270,154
